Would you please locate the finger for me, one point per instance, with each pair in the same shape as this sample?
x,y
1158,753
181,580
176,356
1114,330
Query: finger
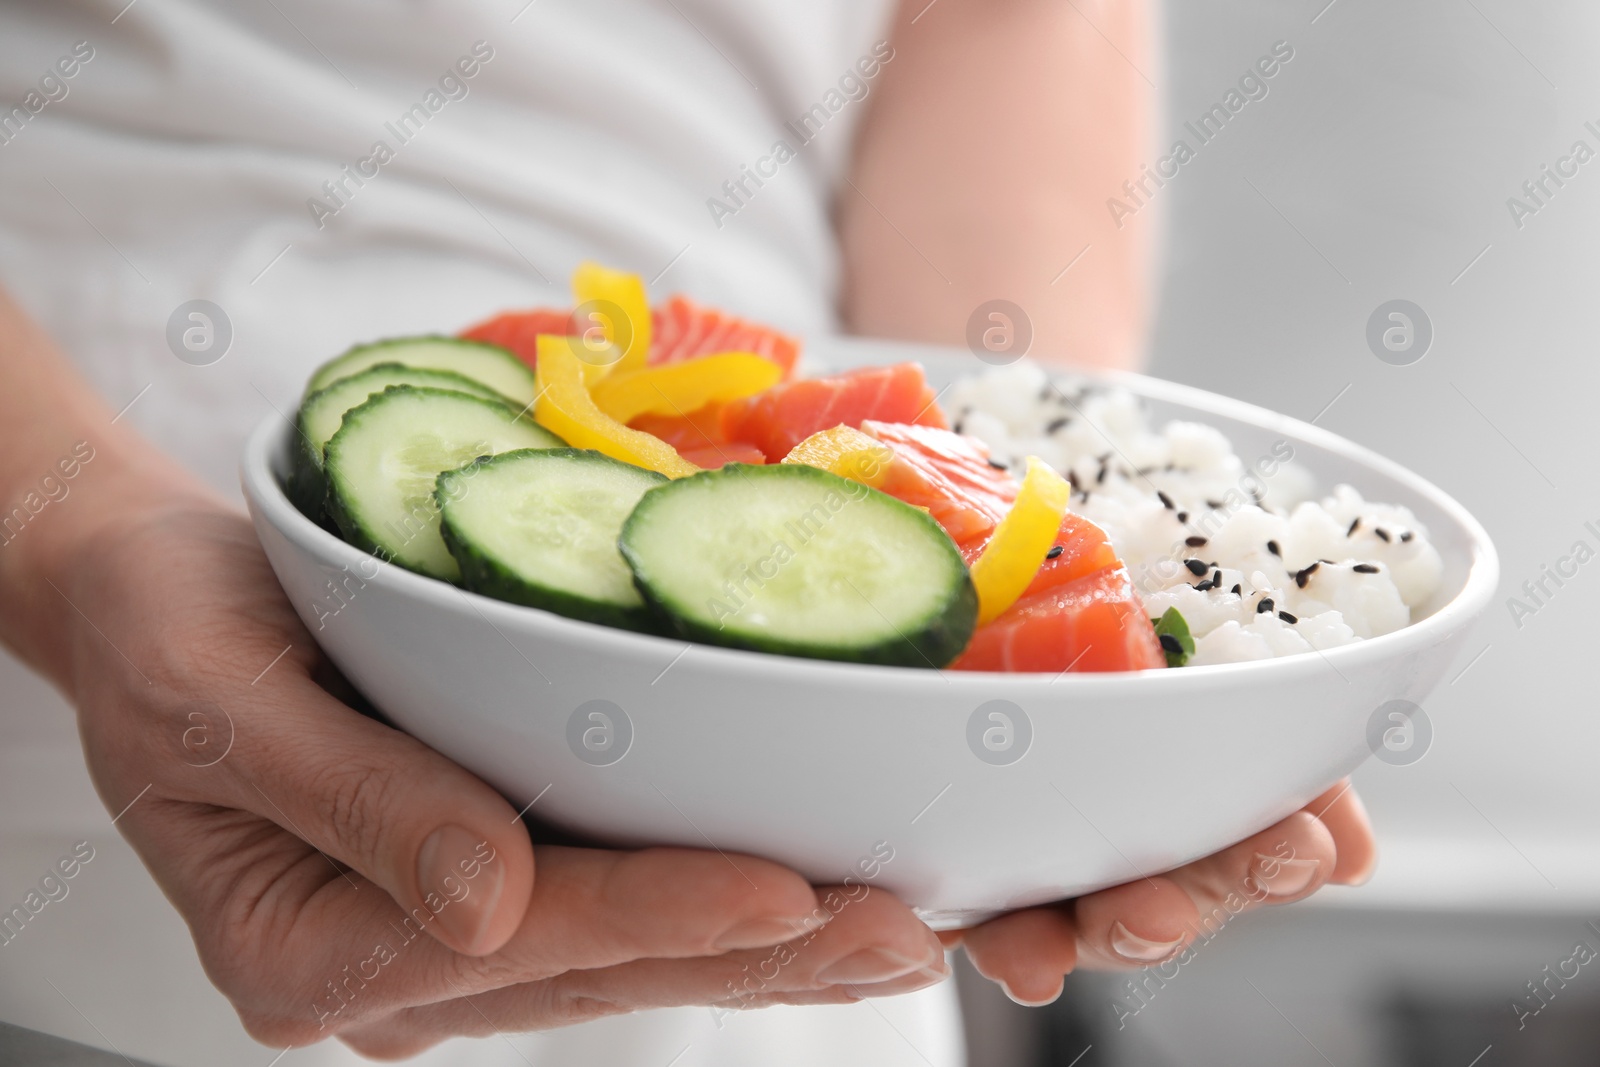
x,y
1283,863
871,938
304,951
1144,922
594,908
448,848
873,946
1027,952
1342,812
840,994
1136,924
1150,920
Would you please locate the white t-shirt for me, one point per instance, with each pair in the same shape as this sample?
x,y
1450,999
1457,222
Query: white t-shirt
x,y
332,171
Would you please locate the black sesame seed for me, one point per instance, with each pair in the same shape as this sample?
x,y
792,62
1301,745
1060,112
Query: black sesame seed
x,y
1408,535
1265,606
1100,479
1383,535
1303,575
1054,552
1205,586
1216,577
1286,617
1238,590
1072,479
1194,542
1166,501
1056,425
1183,516
997,465
957,427
1355,522
1196,567
1214,504
1170,644
1272,546
1364,568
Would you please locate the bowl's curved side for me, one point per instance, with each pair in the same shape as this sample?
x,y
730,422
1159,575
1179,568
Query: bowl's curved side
x,y
830,767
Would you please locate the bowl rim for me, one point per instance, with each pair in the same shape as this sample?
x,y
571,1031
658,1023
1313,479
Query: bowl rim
x,y
268,499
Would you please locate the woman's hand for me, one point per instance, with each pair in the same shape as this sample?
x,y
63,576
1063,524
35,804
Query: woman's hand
x,y
1156,919
340,878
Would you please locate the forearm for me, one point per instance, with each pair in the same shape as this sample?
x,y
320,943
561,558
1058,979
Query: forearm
x,y
67,471
992,142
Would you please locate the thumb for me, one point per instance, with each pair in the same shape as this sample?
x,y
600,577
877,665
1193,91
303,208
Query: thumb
x,y
449,849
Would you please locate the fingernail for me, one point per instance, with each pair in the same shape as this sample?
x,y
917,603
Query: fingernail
x,y
1026,1003
870,965
1136,949
460,905
759,933
937,971
1289,878
907,983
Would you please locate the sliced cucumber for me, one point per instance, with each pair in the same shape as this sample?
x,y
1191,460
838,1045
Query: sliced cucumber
x,y
322,411
794,560
383,462
540,528
488,364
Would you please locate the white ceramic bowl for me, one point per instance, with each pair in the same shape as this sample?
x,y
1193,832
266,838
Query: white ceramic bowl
x,y
830,767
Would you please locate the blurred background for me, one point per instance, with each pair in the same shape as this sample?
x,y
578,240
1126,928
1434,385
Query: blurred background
x,y
1379,168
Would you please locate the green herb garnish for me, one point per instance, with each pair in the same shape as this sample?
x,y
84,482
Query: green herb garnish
x,y
1173,632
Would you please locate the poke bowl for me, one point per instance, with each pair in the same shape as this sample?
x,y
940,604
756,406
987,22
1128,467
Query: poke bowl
x,y
964,792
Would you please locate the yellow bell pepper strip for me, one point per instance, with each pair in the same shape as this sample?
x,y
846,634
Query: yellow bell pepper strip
x,y
596,357
564,407
593,284
687,386
847,452
1016,552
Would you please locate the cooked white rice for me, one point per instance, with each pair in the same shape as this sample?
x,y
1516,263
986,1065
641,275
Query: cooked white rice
x,y
1257,566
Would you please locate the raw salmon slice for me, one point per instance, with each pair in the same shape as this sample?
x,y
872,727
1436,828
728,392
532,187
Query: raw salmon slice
x,y
680,330
1083,548
699,429
950,475
518,331
683,329
1095,623
788,413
